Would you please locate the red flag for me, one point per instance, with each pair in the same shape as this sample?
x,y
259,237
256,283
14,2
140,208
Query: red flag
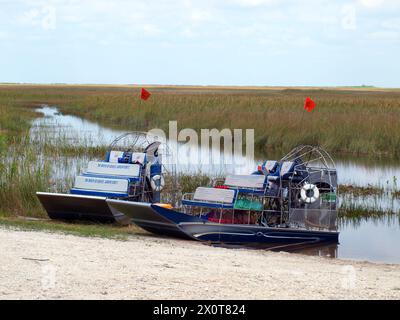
x,y
309,105
144,95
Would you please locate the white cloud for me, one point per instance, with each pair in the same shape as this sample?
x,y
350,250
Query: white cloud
x,y
43,16
385,35
371,3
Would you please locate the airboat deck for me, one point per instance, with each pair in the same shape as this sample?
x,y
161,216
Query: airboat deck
x,y
293,200
167,222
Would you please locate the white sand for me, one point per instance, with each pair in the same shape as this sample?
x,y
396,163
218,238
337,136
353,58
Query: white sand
x,y
70,267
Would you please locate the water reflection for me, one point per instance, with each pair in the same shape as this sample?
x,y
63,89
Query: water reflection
x,y
385,202
328,250
366,239
373,239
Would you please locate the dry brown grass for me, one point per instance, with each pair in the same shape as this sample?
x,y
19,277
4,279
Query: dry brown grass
x,y
358,121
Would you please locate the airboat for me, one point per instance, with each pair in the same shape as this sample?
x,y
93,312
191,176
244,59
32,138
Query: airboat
x,y
292,200
131,171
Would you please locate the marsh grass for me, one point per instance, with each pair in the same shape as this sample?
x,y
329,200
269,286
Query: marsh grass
x,y
351,210
345,121
353,215
28,166
348,121
181,183
377,191
359,191
356,123
22,173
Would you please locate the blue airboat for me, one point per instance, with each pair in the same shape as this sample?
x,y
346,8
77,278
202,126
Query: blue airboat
x,y
288,201
130,171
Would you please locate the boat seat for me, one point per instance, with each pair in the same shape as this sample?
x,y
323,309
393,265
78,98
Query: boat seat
x,y
139,158
126,157
114,170
99,186
269,166
283,171
211,198
286,169
246,183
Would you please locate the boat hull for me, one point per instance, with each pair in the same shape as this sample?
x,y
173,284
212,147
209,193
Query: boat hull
x,y
146,216
79,207
228,233
164,221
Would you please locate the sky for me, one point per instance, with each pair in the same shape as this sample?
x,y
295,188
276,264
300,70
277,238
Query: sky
x,y
207,42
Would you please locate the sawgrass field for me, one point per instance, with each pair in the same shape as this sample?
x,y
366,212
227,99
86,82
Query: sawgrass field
x,y
354,121
359,122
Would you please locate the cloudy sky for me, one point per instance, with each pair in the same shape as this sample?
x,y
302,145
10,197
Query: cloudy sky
x,y
236,42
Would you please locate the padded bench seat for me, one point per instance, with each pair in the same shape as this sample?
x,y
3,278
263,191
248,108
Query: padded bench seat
x,y
96,186
114,169
211,198
107,179
253,183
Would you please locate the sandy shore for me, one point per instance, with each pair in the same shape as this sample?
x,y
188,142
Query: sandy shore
x,y
40,265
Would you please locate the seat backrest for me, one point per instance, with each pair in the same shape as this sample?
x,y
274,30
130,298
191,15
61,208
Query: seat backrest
x,y
252,181
214,195
114,169
287,166
115,155
137,157
101,184
269,165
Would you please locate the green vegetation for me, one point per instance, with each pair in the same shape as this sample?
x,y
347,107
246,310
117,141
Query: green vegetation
x,y
26,165
79,229
354,211
349,121
345,121
369,191
21,172
361,191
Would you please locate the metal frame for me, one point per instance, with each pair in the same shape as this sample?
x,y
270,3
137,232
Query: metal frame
x,y
315,160
310,161
138,141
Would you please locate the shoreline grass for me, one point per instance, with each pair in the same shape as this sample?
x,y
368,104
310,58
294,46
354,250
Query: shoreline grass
x,y
78,229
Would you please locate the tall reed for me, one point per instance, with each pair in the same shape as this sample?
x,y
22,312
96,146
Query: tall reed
x,y
360,122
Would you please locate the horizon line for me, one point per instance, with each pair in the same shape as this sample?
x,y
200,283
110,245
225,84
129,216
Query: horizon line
x,y
157,85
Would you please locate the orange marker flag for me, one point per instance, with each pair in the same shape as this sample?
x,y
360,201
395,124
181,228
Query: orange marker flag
x,y
309,105
144,94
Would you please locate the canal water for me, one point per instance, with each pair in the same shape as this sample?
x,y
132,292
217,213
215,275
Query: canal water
x,y
374,239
